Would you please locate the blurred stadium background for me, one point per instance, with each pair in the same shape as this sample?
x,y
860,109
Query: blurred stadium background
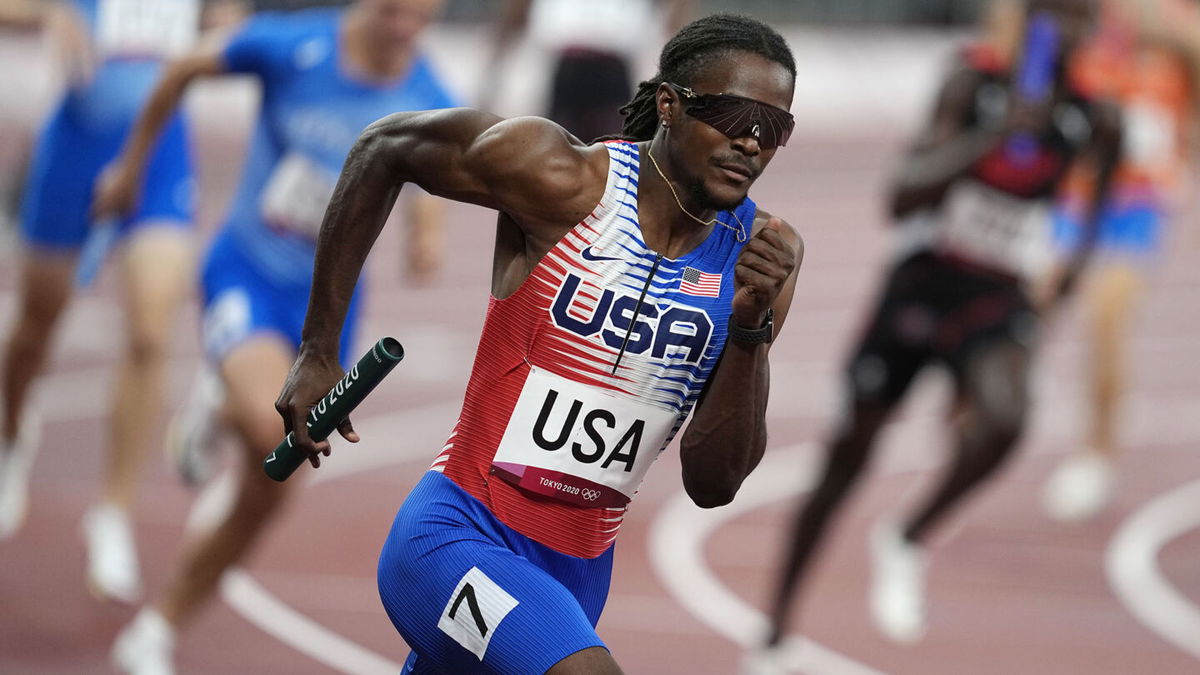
x,y
1011,591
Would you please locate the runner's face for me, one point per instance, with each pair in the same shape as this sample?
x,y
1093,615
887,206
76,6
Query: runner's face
x,y
395,24
717,170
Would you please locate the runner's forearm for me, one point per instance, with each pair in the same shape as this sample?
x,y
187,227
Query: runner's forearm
x,y
728,433
926,173
364,196
159,108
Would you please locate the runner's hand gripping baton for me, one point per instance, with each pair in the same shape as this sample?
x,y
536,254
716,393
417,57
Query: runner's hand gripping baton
x,y
336,405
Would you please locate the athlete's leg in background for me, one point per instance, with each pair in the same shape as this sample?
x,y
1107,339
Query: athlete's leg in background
x,y
45,287
994,392
1082,484
155,267
993,400
1111,301
252,373
46,284
883,367
845,459
156,270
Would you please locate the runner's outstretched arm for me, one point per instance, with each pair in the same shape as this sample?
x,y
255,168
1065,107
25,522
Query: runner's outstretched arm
x,y
728,433
526,167
116,189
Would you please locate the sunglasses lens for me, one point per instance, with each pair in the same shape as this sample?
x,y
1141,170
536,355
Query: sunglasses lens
x,y
735,117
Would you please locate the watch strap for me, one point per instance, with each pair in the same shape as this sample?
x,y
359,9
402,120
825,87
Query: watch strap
x,y
754,336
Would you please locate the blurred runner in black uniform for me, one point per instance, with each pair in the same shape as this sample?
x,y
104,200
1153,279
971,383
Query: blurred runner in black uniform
x,y
975,269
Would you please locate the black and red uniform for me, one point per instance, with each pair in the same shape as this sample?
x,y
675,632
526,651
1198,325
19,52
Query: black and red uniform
x,y
948,294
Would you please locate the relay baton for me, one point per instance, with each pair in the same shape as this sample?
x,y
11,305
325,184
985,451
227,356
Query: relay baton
x,y
1035,79
100,239
325,416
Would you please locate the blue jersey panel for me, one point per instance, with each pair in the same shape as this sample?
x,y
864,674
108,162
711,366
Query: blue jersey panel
x,y
313,110
470,595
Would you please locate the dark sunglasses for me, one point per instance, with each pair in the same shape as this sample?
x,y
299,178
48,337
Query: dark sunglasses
x,y
738,117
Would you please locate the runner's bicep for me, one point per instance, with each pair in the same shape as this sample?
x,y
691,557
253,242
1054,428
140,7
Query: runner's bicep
x,y
474,156
436,150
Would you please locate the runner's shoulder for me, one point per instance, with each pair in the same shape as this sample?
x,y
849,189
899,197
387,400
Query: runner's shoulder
x,y
538,159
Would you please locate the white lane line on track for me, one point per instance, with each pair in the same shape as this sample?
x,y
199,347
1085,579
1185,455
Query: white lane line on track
x,y
676,552
256,604
1131,564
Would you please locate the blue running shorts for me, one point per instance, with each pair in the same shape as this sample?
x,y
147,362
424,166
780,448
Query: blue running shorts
x,y
471,595
62,175
1133,230
240,302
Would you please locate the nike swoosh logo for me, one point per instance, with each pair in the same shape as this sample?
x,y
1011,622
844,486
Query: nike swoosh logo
x,y
270,459
588,255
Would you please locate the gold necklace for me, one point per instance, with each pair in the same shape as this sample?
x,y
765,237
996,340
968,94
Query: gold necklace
x,y
739,231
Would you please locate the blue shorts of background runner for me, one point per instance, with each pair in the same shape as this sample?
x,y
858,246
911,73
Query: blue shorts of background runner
x,y
1133,230
471,595
240,303
62,176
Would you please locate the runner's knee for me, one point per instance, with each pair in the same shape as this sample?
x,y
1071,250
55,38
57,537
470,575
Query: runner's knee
x,y
146,348
260,497
998,389
261,432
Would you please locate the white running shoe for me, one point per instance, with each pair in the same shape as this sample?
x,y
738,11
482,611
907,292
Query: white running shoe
x,y
897,585
763,660
16,463
112,563
194,431
1080,487
145,646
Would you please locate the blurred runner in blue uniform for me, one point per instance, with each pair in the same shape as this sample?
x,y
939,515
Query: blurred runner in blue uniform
x,y
325,75
113,51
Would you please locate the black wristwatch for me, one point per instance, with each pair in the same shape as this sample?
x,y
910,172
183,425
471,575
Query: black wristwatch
x,y
754,336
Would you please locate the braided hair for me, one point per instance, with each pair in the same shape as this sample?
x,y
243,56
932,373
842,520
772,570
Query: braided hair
x,y
693,48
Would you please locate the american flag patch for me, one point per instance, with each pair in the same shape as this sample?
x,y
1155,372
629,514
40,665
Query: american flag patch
x,y
700,283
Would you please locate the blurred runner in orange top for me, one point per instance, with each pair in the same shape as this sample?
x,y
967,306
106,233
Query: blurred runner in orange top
x,y
1144,55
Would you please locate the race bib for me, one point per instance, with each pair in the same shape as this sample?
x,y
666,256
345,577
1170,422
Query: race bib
x,y
995,229
297,195
580,444
156,28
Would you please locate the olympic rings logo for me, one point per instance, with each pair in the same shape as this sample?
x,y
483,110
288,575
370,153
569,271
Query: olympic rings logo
x,y
589,494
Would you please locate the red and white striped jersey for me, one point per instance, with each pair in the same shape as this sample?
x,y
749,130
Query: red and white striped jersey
x,y
586,372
